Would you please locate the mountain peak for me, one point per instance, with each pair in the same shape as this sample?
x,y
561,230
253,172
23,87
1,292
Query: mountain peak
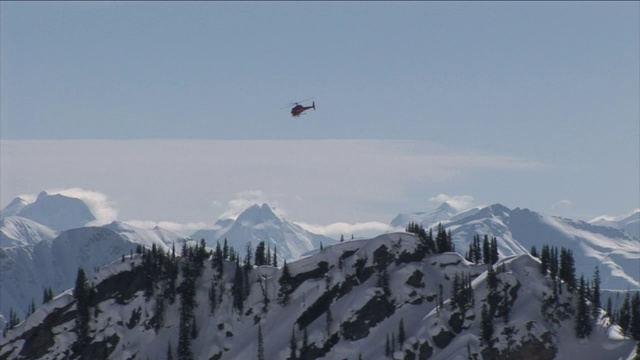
x,y
256,214
57,211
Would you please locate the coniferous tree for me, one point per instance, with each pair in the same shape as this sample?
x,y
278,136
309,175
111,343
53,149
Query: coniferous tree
x,y
387,347
305,343
553,262
567,270
486,325
583,322
81,295
624,314
534,251
329,321
595,294
393,343
158,312
293,345
187,292
486,250
285,282
492,279
260,343
609,309
401,334
477,249
494,251
442,240
544,260
275,257
47,296
238,288
225,249
383,281
212,298
261,255
634,317
169,351
194,329
269,257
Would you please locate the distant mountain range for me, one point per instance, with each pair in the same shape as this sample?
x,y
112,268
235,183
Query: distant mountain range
x,y
34,256
613,250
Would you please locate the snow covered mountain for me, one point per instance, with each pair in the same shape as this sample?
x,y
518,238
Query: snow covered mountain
x,y
57,212
19,231
630,224
39,258
444,213
157,236
615,253
382,298
260,223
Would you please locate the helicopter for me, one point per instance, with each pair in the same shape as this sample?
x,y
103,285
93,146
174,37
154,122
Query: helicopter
x,y
299,109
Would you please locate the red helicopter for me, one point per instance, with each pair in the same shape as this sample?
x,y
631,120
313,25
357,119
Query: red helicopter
x,y
299,109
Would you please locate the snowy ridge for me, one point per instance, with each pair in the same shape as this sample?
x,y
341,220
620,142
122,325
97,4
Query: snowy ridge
x,y
157,236
630,224
28,269
19,231
612,250
343,278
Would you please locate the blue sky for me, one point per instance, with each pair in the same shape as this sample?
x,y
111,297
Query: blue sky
x,y
552,89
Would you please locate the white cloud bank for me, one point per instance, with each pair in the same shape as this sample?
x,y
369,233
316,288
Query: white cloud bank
x,y
350,184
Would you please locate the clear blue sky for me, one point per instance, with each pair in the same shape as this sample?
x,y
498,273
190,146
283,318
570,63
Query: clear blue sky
x,y
556,83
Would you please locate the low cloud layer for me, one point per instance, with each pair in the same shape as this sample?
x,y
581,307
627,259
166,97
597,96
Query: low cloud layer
x,y
197,181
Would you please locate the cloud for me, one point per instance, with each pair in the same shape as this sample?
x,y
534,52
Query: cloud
x,y
192,181
562,204
185,229
335,230
458,202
